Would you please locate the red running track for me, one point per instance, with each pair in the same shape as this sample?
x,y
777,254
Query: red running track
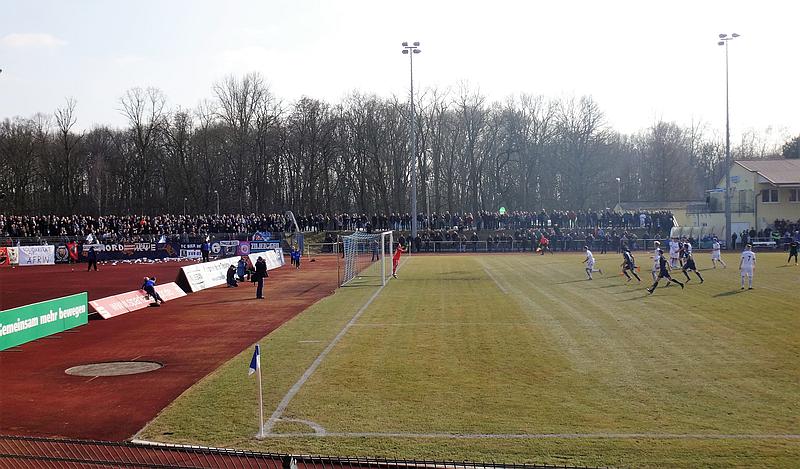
x,y
190,336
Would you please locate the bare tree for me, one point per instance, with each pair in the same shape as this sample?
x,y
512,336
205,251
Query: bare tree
x,y
146,113
70,164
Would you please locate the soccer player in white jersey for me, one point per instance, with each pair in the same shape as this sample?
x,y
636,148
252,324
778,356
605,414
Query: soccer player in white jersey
x,y
674,252
747,265
715,254
589,261
656,257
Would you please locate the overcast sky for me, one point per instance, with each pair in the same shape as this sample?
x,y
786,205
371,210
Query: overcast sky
x,y
640,60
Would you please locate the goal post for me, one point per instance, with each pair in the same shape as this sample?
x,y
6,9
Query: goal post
x,y
365,257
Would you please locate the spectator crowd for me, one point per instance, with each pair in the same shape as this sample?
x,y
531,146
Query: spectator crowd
x,y
114,228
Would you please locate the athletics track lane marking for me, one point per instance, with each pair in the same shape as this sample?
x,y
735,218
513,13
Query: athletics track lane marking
x,y
267,430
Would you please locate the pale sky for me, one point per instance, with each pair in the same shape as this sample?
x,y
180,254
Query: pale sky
x,y
640,60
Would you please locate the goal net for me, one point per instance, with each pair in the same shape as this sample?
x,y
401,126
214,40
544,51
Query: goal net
x,y
366,258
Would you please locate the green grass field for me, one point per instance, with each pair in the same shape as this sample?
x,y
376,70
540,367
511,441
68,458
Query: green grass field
x,y
518,358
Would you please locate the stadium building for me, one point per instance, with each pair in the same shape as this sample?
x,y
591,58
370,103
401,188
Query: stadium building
x,y
762,191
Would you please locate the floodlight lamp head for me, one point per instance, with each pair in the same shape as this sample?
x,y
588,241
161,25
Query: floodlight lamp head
x,y
721,43
735,35
405,44
723,36
405,51
416,44
417,51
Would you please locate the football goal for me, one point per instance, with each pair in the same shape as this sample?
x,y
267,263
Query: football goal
x,y
365,258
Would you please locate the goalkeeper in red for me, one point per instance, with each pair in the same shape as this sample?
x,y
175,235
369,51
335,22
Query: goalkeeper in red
x,y
396,258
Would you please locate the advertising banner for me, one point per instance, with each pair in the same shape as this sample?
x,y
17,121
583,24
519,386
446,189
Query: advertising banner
x,y
274,259
37,255
224,248
134,300
262,246
72,247
191,250
243,249
207,274
62,254
3,256
13,255
31,322
120,251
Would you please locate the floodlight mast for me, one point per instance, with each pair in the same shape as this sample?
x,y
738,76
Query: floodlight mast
x,y
410,51
723,41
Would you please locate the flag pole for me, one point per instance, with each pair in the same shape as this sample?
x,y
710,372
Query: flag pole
x,y
255,367
260,402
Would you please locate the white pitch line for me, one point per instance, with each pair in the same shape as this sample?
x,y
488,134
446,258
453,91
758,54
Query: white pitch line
x,y
441,324
317,362
544,436
501,287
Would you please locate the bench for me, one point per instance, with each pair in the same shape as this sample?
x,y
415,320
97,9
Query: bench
x,y
764,244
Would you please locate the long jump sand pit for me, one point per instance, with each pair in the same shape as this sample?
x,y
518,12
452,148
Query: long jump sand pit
x,y
189,336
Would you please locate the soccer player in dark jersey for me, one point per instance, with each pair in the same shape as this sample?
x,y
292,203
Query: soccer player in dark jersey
x,y
663,272
628,263
792,252
688,264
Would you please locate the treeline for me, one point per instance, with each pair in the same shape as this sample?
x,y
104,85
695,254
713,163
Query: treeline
x,y
249,152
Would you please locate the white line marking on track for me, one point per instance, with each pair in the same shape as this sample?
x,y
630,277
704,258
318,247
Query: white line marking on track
x,y
317,362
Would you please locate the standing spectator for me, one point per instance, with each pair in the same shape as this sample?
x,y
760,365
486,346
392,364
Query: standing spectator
x,y
92,258
259,276
296,255
205,250
733,241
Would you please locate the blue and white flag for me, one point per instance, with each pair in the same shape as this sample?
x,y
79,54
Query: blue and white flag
x,y
255,362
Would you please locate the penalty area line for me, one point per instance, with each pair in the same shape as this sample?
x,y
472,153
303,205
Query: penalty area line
x,y
276,416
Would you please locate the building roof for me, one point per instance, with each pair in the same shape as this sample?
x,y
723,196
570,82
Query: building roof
x,y
778,172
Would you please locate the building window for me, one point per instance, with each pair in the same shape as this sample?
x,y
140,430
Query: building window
x,y
769,196
794,195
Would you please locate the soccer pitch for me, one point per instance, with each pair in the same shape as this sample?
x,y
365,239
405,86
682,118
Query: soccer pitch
x,y
518,358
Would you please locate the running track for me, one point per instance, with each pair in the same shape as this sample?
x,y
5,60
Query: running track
x,y
190,336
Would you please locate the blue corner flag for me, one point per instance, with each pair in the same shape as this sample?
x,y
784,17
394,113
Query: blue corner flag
x,y
255,362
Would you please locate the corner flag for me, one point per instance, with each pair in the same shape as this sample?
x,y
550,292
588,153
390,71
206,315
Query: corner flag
x,y
255,362
255,366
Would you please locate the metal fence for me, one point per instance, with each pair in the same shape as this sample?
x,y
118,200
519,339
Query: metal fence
x,y
27,452
556,245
